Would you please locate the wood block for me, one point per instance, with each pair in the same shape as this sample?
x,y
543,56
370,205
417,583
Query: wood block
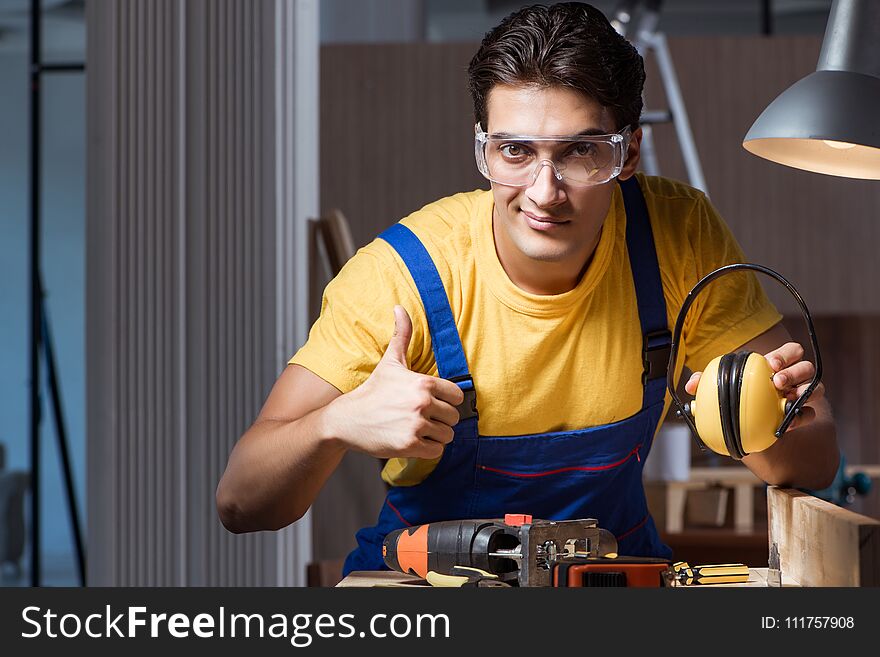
x,y
708,507
726,476
821,544
338,241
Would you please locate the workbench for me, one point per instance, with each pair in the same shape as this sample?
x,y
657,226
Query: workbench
x,y
387,578
819,544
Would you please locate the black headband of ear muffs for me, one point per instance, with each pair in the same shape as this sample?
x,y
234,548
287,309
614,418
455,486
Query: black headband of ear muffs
x,y
730,378
724,403
792,409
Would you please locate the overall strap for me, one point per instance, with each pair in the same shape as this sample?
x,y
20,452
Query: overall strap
x,y
445,341
656,338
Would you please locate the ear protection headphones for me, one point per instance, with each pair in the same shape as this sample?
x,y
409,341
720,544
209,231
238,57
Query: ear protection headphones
x,y
737,409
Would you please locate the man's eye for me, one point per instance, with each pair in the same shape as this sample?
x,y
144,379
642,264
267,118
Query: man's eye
x,y
584,149
514,151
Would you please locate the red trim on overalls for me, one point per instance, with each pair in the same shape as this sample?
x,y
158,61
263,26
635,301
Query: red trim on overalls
x,y
636,528
394,508
609,466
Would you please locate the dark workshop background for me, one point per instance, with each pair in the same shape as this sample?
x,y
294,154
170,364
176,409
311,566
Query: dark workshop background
x,y
819,230
396,132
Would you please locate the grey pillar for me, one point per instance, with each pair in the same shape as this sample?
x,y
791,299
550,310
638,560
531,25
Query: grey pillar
x,y
202,171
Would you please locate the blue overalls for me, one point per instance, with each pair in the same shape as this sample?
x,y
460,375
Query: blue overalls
x,y
585,473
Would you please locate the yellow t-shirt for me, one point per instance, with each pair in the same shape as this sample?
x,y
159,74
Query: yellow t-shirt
x,y
540,363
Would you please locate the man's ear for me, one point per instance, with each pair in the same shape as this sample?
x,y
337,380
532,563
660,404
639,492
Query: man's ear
x,y
633,154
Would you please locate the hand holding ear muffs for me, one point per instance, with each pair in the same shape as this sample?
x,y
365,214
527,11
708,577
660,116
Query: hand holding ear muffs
x,y
737,409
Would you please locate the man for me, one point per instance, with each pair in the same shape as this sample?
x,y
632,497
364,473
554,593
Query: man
x,y
491,344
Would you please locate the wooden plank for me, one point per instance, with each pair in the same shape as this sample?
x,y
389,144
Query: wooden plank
x,y
336,233
726,476
821,544
370,578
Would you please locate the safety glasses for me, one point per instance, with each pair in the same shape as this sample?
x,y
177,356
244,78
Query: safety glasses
x,y
516,160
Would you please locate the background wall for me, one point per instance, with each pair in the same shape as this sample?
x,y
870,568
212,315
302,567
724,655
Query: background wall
x,y
414,98
397,133
63,271
411,102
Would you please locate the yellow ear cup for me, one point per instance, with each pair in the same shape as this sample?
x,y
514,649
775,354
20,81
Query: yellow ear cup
x,y
761,407
704,409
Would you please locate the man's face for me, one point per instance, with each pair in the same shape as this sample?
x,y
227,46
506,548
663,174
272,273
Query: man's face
x,y
552,220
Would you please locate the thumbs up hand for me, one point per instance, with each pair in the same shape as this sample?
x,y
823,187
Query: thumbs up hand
x,y
397,412
397,347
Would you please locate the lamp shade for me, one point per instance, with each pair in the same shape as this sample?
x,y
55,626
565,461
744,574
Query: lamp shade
x,y
829,122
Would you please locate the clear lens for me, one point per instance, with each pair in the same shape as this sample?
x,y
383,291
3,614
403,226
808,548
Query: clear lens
x,y
581,161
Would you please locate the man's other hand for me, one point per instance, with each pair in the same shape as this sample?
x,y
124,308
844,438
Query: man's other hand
x,y
792,377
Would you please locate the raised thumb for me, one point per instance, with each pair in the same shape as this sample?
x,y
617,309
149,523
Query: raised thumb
x,y
399,343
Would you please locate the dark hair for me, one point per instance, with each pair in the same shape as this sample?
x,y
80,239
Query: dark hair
x,y
568,44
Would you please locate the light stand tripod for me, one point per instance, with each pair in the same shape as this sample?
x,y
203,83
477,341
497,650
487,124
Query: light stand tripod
x,y
645,37
40,335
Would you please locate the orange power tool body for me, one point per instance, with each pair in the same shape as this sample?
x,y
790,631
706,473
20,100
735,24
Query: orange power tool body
x,y
520,551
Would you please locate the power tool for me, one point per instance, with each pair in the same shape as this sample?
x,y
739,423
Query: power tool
x,y
517,549
521,551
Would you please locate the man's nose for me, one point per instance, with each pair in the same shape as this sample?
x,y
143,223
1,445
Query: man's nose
x,y
547,187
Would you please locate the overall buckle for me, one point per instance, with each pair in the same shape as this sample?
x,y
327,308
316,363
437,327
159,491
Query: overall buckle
x,y
656,349
468,408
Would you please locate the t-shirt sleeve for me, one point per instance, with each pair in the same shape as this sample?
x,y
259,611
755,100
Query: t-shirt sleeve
x,y
731,310
357,319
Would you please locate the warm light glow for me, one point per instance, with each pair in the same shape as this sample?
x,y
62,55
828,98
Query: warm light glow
x,y
835,158
839,145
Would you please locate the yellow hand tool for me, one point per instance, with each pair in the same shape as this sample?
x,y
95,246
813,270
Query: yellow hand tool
x,y
465,576
720,573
